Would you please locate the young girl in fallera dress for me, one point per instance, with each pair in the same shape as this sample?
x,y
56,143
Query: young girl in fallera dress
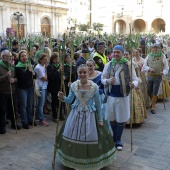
x,y
84,141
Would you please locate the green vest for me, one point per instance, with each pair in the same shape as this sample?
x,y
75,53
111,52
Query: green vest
x,y
104,59
156,64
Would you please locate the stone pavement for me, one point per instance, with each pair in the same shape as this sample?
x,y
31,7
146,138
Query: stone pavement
x,y
33,149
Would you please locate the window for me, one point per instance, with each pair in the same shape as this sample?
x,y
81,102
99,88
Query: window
x,y
159,1
140,2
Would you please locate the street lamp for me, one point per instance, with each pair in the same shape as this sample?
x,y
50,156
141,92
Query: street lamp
x,y
18,15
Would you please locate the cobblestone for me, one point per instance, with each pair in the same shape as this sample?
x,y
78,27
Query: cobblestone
x,y
33,149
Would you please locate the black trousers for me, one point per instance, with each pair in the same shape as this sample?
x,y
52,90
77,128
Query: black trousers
x,y
55,105
6,108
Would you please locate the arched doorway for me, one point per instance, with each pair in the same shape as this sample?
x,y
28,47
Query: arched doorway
x,y
120,27
158,25
45,27
139,25
17,23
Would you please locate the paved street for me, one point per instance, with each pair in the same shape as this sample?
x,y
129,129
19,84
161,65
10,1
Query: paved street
x,y
33,149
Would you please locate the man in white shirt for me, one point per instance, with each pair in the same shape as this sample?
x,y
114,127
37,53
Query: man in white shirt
x,y
156,66
118,78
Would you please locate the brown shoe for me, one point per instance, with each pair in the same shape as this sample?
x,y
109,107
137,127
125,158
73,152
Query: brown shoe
x,y
43,123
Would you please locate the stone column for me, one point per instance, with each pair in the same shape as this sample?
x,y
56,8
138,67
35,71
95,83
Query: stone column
x,y
1,28
29,26
3,20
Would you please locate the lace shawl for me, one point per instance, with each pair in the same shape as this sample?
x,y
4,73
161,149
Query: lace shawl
x,y
84,95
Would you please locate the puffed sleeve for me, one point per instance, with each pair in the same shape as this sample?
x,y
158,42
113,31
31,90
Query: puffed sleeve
x,y
98,104
105,75
145,65
166,67
70,96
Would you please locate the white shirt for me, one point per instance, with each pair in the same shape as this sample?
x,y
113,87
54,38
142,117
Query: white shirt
x,y
165,64
41,72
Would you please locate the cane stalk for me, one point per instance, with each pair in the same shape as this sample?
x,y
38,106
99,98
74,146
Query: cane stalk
x,y
131,95
12,102
58,111
34,98
163,81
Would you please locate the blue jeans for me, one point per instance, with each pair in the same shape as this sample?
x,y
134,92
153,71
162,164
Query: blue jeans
x,y
26,97
40,104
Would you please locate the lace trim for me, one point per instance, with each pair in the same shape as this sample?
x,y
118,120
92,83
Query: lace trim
x,y
87,93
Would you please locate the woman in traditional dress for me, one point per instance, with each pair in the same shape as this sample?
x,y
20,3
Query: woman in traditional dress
x,y
138,105
168,57
137,59
95,76
84,141
164,88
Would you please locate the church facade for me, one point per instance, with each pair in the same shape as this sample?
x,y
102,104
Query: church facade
x,y
36,17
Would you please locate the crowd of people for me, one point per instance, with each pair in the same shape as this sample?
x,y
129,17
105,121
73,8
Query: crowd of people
x,y
107,85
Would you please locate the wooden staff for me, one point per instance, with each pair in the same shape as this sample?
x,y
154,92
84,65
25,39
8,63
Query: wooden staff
x,y
72,57
34,98
12,102
71,69
131,96
163,81
58,111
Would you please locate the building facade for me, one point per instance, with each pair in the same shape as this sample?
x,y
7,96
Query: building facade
x,y
51,17
102,13
79,10
47,17
144,16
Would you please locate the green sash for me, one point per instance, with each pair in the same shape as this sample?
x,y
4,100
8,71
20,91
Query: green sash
x,y
56,65
6,66
121,61
159,54
20,64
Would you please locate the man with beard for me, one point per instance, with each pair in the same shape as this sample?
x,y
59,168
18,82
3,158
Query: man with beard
x,y
7,86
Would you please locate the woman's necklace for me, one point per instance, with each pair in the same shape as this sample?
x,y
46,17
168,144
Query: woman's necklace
x,y
84,84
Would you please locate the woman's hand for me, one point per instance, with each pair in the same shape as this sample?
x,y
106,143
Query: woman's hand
x,y
60,68
60,95
30,68
131,85
100,124
69,84
74,62
12,80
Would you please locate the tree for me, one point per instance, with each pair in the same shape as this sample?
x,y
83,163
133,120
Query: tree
x,y
98,26
83,27
72,23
